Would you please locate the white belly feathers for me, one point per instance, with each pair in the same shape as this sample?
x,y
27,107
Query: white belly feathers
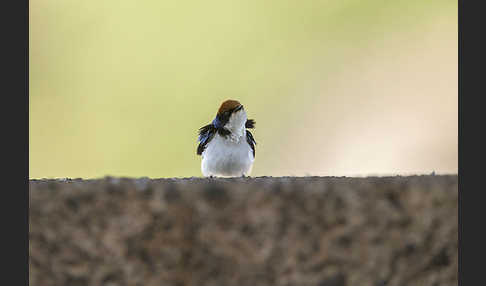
x,y
227,157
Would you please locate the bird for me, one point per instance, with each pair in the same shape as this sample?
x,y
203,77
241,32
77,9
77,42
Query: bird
x,y
226,145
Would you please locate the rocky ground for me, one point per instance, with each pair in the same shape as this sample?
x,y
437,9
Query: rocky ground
x,y
323,231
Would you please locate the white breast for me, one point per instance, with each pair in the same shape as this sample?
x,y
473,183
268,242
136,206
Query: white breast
x,y
227,157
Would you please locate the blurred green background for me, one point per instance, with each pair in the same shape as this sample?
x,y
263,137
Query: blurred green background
x,y
336,87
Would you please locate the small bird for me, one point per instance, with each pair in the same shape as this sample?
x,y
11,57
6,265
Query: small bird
x,y
226,146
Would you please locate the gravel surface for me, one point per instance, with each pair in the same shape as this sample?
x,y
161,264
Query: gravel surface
x,y
323,231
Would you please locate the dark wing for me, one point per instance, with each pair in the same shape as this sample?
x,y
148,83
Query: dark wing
x,y
206,133
250,123
251,141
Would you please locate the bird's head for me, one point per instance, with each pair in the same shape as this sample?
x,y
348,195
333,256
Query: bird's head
x,y
231,116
